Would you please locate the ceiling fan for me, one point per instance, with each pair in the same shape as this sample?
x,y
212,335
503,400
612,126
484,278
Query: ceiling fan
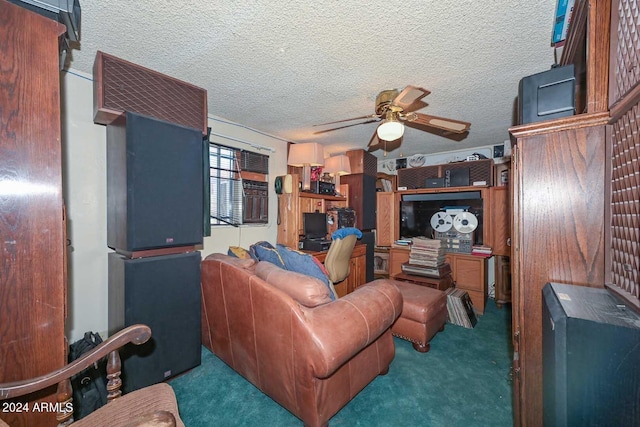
x,y
396,109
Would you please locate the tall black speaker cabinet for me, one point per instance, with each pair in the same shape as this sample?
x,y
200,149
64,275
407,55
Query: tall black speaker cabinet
x,y
154,184
591,358
162,292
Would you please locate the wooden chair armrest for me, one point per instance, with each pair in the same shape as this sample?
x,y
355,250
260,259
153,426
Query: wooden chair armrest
x,y
136,334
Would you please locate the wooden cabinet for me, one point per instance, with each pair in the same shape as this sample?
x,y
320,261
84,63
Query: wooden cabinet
x,y
291,206
558,231
385,218
32,279
470,273
397,257
502,269
499,221
559,200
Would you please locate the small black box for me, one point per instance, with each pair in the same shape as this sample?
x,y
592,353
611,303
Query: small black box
x,y
315,245
456,177
434,183
547,95
322,187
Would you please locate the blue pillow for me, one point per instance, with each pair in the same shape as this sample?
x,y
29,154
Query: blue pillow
x,y
341,233
264,251
301,262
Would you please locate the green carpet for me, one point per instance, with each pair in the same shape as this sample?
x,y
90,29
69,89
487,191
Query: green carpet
x,y
462,381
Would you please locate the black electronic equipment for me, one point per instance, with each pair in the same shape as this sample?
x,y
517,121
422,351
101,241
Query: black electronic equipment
x,y
547,95
590,347
434,183
162,292
314,225
458,177
315,244
323,187
341,217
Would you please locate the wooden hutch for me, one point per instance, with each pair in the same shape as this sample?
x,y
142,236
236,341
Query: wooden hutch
x,y
33,286
292,205
575,197
469,272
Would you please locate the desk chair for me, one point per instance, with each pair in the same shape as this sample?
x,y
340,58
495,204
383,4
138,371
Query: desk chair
x,y
338,260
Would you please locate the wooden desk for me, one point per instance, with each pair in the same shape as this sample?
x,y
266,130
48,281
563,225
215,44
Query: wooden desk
x,y
357,269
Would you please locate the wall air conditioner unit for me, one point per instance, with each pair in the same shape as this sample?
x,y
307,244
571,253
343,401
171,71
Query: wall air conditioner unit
x,y
66,12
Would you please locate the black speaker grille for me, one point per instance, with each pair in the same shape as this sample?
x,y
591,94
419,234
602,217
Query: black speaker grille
x,y
416,177
479,170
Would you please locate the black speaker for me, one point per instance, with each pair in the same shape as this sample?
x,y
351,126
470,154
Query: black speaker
x,y
458,177
591,349
162,292
369,239
154,184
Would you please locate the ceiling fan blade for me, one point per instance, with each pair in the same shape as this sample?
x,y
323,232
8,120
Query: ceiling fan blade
x,y
345,126
454,136
374,139
378,144
410,98
370,116
448,125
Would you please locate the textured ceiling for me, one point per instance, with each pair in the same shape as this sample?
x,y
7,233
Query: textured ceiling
x,y
282,66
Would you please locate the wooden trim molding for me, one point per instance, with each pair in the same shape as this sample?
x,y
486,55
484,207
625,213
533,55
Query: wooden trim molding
x,y
624,104
567,123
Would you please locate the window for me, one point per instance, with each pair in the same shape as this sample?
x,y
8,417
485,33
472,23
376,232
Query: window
x,y
238,186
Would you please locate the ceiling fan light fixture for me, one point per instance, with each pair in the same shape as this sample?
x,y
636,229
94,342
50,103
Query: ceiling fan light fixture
x,y
390,130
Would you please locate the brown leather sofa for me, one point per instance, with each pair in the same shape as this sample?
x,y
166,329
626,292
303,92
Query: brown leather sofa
x,y
281,331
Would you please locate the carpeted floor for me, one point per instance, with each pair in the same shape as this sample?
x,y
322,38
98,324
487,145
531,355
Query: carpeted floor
x,y
462,381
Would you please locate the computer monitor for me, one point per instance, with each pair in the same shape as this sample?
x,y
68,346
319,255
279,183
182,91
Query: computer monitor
x,y
314,225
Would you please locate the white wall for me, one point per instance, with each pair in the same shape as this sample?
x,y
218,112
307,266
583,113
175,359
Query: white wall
x,y
85,193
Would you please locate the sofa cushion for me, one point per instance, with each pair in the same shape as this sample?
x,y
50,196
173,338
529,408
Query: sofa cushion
x,y
265,251
307,290
239,252
244,263
307,264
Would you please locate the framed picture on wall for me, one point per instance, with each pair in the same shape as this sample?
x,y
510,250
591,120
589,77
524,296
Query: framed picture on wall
x,y
381,263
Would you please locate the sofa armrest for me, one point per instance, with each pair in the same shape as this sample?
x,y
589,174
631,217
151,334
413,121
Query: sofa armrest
x,y
342,328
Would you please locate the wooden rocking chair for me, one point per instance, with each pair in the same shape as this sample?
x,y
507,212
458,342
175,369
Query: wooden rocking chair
x,y
155,405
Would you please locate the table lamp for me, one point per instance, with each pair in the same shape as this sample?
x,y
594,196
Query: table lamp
x,y
306,155
337,165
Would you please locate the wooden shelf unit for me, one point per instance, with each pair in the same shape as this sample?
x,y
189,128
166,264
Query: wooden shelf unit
x,y
291,207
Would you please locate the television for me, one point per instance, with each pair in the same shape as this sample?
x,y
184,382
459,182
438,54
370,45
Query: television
x,y
416,211
591,350
314,225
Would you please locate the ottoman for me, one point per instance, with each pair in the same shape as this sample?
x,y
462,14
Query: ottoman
x,y
424,313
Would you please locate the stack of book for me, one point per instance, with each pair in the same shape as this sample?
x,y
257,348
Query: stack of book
x,y
481,250
401,243
427,252
460,309
419,270
427,258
